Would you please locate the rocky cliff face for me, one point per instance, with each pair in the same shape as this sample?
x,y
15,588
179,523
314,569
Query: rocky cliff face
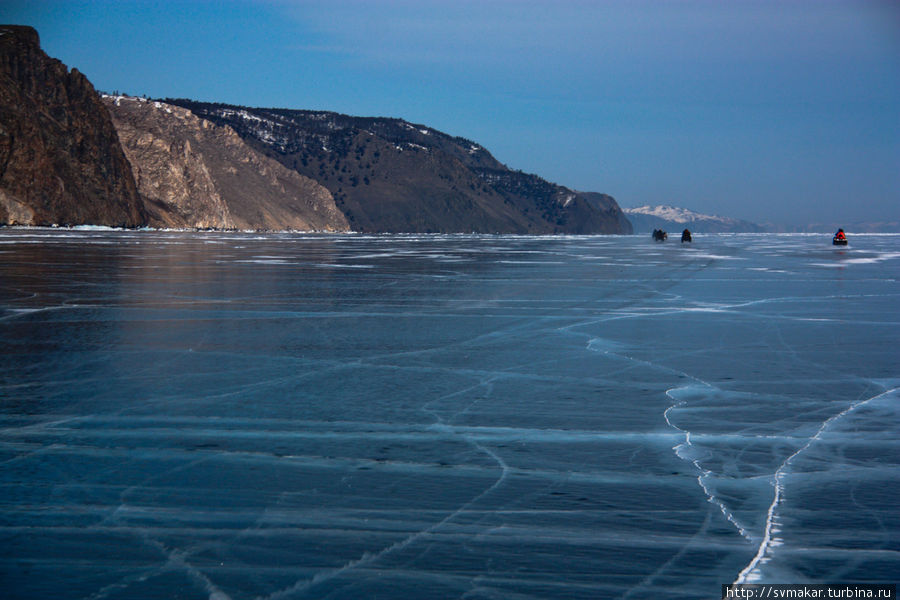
x,y
60,158
193,173
388,175
612,219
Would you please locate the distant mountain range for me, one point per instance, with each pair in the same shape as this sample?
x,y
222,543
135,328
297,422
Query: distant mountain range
x,y
645,219
68,157
673,219
831,227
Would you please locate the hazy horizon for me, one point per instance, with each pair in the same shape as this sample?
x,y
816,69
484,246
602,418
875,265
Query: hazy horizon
x,y
772,112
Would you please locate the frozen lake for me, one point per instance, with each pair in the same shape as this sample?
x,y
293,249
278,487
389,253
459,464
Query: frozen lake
x,y
240,416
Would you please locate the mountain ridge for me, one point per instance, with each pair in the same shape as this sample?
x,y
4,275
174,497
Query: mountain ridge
x,y
193,173
390,175
650,217
70,157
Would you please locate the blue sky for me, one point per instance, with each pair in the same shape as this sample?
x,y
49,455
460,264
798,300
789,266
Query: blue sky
x,y
773,111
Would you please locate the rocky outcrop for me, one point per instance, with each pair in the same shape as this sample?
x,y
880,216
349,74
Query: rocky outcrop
x,y
60,158
193,173
389,175
606,216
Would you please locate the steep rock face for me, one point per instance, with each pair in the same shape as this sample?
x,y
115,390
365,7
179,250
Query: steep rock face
x,y
613,219
60,158
388,175
193,173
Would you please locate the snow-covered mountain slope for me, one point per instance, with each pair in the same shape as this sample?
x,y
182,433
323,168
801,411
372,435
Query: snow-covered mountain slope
x,y
647,218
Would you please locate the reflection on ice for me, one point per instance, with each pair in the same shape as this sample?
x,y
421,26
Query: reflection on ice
x,y
306,416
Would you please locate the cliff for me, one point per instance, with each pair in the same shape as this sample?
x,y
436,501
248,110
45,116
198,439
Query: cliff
x,y
193,173
389,175
60,158
612,215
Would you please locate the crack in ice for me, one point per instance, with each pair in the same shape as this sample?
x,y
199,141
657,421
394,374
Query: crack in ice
x,y
747,574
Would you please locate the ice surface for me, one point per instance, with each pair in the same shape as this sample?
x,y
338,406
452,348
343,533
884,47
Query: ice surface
x,y
225,416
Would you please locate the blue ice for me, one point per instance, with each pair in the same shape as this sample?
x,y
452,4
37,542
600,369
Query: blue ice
x,y
231,415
